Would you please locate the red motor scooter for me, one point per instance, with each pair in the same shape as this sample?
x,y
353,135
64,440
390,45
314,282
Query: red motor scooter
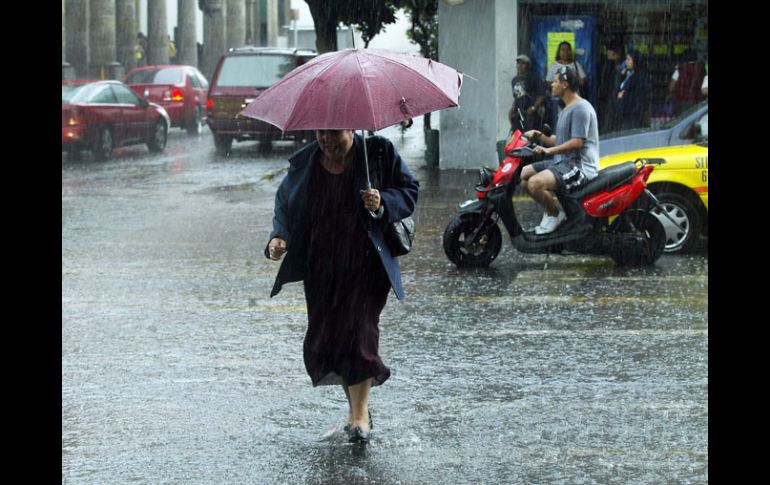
x,y
602,217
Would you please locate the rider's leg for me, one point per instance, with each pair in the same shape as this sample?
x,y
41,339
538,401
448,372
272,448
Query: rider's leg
x,y
542,188
526,173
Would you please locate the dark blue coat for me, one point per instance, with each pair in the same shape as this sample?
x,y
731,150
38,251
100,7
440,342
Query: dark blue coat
x,y
290,218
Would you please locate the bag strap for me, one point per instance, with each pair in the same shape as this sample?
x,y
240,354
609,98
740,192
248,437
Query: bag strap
x,y
375,168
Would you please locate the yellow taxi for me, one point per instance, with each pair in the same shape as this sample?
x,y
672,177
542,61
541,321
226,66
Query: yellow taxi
x,y
682,187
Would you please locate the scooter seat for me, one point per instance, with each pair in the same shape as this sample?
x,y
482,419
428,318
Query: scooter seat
x,y
606,179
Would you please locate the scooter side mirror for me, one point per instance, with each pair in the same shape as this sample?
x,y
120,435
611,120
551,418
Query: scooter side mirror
x,y
547,131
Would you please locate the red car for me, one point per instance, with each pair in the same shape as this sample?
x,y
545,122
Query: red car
x,y
240,76
181,90
103,115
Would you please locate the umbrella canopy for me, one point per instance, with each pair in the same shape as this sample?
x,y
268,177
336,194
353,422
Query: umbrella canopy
x,y
357,89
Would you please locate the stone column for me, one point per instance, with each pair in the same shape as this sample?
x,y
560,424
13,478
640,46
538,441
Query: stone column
x,y
286,14
469,134
186,47
67,71
63,34
236,24
256,19
272,22
213,35
126,29
250,23
157,35
76,19
102,64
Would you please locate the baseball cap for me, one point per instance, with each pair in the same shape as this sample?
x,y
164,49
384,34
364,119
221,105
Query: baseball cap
x,y
522,57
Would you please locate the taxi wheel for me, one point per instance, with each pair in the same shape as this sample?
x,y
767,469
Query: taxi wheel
x,y
103,148
683,231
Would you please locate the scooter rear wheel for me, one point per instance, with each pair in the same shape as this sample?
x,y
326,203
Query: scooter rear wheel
x,y
642,239
476,254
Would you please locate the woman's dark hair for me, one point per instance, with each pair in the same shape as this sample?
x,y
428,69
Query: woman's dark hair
x,y
639,60
616,46
571,54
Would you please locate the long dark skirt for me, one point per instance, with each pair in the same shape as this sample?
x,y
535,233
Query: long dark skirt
x,y
346,288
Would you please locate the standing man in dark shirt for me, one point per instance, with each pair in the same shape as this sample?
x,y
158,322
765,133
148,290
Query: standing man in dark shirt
x,y
528,96
609,81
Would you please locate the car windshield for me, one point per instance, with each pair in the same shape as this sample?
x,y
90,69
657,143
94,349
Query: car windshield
x,y
166,75
685,114
257,71
74,93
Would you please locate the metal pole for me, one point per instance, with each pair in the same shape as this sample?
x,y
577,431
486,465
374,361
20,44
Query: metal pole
x,y
366,161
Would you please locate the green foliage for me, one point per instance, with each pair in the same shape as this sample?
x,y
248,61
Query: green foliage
x,y
424,30
371,16
368,16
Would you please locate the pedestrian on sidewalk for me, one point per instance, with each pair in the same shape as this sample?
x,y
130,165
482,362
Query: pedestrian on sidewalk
x,y
633,105
684,86
331,229
140,50
528,97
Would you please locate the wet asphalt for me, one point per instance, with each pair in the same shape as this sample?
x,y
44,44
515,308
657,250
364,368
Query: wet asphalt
x,y
177,367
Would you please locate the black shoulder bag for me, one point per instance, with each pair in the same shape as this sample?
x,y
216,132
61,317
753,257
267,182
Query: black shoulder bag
x,y
400,234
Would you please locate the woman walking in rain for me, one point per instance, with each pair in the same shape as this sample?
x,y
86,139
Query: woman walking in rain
x,y
330,226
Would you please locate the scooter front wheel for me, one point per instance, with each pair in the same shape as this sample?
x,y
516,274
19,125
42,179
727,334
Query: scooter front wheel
x,y
476,253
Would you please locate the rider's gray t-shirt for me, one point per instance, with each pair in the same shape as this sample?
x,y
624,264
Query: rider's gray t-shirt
x,y
579,121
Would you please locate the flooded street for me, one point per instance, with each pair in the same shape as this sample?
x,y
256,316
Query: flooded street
x,y
177,367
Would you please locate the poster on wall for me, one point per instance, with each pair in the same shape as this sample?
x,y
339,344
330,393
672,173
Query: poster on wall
x,y
548,31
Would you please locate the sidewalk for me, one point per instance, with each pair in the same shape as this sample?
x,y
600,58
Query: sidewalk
x,y
441,183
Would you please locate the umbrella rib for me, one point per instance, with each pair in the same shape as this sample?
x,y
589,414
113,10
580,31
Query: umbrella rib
x,y
368,93
406,66
405,106
328,66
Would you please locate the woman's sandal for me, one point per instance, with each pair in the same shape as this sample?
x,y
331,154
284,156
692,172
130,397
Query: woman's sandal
x,y
348,430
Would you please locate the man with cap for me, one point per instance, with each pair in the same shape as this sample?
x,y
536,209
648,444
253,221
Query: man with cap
x,y
528,96
575,148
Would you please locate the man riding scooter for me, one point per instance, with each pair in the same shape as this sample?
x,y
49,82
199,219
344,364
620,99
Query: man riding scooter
x,y
575,146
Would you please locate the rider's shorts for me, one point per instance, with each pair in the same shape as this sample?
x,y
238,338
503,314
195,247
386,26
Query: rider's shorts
x,y
568,175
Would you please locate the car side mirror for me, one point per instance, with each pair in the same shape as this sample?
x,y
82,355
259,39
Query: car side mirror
x,y
691,133
144,103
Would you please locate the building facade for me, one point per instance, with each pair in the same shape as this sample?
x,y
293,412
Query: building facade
x,y
99,36
482,38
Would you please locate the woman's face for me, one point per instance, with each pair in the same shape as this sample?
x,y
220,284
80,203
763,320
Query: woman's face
x,y
335,143
629,62
564,52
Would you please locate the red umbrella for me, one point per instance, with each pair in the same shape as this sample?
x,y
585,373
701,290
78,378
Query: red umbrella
x,y
365,89
357,89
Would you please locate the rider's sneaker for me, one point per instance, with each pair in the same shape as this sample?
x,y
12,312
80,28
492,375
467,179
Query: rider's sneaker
x,y
543,221
550,224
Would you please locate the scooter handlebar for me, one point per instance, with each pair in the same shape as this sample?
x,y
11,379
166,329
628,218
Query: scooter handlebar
x,y
523,152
